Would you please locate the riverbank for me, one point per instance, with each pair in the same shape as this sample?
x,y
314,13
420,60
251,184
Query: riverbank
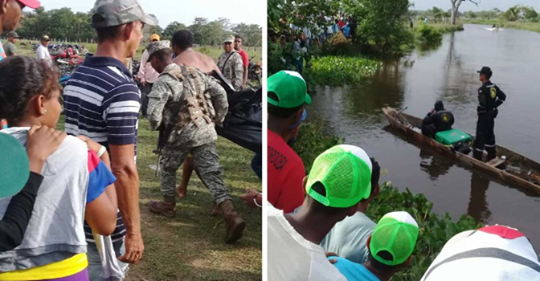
x,y
434,230
337,70
530,26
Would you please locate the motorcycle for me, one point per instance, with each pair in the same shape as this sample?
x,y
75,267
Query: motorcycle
x,y
254,72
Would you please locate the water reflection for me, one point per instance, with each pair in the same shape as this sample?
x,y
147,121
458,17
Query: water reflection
x,y
434,165
478,206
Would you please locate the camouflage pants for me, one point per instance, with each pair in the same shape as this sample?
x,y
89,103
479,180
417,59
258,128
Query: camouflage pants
x,y
205,158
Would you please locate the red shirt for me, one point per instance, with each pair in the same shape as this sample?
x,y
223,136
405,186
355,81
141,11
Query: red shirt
x,y
285,175
245,58
341,24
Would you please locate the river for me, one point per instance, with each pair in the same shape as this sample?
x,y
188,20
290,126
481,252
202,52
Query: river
x,y
448,73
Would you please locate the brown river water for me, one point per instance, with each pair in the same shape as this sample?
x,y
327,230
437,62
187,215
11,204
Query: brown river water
x,y
448,72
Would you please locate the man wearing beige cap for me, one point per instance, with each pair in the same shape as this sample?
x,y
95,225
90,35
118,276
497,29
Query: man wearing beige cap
x,y
230,64
102,102
10,15
185,105
42,52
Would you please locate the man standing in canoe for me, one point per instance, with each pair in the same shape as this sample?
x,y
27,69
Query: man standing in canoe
x,y
490,97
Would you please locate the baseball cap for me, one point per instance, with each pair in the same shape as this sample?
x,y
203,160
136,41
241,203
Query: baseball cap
x,y
290,89
33,4
15,166
45,38
345,172
154,37
108,13
13,34
228,39
156,46
485,70
394,238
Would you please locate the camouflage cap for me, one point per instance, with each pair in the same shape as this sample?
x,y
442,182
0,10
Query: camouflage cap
x,y
156,46
13,34
108,13
228,39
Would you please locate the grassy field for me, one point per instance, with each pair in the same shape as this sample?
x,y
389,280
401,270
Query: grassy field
x,y
212,51
442,27
530,26
190,246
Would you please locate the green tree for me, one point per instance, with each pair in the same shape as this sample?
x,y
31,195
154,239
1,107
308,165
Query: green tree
x,y
172,28
512,14
470,15
529,13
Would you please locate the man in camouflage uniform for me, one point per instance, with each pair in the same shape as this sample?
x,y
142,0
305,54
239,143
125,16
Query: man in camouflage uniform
x,y
230,64
185,104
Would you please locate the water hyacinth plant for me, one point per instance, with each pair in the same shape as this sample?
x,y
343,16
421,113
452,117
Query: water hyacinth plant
x,y
338,71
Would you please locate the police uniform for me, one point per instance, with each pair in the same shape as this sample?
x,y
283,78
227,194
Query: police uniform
x,y
490,97
191,104
438,120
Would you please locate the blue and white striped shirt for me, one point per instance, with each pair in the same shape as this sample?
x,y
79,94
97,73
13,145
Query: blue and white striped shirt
x,y
102,102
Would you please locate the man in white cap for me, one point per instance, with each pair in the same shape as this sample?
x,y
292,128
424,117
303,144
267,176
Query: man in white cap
x,y
230,64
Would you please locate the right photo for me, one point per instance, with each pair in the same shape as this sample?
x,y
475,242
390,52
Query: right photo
x,y
400,141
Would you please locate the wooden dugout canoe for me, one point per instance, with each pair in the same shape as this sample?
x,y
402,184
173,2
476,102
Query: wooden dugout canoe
x,y
520,170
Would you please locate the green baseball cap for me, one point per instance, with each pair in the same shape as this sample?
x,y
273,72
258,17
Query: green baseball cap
x,y
15,166
345,172
394,238
290,89
108,13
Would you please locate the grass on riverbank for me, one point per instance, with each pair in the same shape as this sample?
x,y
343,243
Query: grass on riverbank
x,y
190,246
530,26
334,70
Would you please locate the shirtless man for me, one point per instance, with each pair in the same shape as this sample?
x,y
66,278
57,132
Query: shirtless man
x,y
182,43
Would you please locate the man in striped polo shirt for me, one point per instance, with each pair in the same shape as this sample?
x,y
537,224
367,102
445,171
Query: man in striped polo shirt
x,y
102,102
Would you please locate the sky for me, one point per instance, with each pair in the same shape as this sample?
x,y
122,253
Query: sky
x,y
167,11
484,5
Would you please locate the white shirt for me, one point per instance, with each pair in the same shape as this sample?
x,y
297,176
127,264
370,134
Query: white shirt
x,y
292,257
42,53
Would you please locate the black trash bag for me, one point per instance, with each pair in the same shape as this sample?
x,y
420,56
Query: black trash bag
x,y
243,123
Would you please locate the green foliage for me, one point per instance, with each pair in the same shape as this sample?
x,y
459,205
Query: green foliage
x,y
334,70
512,14
381,29
434,230
204,50
171,29
427,35
312,141
251,34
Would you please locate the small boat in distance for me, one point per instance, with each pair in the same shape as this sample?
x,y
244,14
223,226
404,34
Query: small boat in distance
x,y
509,166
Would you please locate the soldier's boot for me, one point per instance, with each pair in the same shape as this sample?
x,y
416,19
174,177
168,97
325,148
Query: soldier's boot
x,y
235,225
478,155
167,207
215,210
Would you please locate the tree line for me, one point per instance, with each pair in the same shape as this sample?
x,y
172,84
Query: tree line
x,y
65,25
515,13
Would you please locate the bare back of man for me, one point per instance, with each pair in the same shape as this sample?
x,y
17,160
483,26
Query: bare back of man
x,y
198,60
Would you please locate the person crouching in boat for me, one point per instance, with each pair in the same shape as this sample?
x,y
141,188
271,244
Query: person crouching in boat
x,y
490,97
437,120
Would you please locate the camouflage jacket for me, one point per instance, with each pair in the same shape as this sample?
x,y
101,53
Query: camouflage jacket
x,y
232,69
168,98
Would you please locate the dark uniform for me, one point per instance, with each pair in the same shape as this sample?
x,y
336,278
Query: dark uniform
x,y
490,97
438,120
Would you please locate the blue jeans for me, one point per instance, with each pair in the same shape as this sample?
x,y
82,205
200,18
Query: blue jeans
x,y
256,165
94,261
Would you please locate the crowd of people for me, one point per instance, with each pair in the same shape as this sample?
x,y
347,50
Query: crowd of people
x,y
69,201
317,223
295,46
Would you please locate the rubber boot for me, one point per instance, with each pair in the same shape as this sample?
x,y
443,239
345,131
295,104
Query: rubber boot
x,y
492,153
234,223
478,155
167,207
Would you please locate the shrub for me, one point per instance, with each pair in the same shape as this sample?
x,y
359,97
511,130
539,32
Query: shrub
x,y
334,71
312,141
427,35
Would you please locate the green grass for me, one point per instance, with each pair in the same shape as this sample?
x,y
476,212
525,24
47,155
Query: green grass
x,y
336,70
530,26
212,51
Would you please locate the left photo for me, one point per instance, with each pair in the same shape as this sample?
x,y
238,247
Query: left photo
x,y
130,140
